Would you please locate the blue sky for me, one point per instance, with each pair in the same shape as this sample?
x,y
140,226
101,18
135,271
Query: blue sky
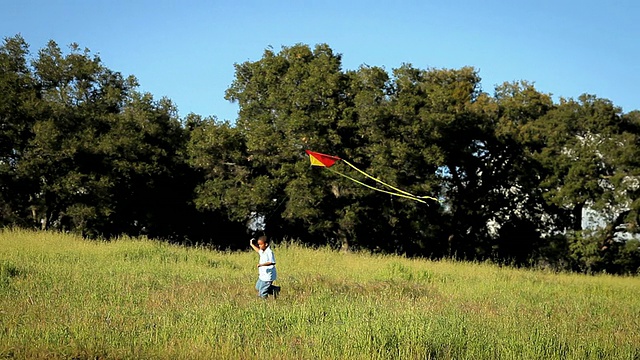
x,y
185,50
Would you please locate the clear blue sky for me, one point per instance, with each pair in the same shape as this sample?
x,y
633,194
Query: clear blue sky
x,y
185,50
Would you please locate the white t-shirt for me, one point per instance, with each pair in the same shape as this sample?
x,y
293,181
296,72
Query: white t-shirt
x,y
267,273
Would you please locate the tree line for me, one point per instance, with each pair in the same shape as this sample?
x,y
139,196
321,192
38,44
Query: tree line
x,y
522,179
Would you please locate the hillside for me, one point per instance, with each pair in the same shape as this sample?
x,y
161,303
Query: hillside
x,y
64,297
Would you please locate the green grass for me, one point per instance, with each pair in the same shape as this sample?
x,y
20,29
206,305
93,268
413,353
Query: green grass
x,y
63,297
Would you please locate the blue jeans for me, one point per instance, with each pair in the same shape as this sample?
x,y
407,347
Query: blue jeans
x,y
263,288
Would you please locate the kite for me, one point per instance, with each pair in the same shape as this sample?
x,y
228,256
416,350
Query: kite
x,y
327,161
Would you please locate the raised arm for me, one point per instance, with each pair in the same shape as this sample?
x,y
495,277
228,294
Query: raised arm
x,y
253,245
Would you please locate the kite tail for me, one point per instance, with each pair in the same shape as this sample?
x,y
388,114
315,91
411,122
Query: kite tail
x,y
403,194
406,194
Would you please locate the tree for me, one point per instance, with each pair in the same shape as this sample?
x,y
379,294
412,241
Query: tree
x,y
17,111
585,148
300,99
289,102
217,152
144,152
82,150
448,125
101,158
77,95
400,146
523,222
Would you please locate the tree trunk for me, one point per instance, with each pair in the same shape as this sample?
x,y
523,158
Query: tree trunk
x,y
610,230
576,217
343,239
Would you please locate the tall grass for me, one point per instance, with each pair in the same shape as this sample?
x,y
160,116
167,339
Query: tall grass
x,y
63,297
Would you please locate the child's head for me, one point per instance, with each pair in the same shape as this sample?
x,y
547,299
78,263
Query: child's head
x,y
263,243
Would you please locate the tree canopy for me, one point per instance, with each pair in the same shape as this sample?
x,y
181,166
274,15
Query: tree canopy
x,y
522,179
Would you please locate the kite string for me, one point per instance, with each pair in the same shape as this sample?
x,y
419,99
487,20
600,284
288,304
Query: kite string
x,y
376,189
385,184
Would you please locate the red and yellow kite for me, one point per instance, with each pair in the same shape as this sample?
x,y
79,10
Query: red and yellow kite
x,y
327,161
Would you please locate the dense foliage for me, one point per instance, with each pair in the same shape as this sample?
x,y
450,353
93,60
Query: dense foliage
x,y
82,150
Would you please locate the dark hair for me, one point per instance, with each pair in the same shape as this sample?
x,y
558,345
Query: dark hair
x,y
264,239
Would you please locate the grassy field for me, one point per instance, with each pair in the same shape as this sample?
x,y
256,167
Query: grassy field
x,y
63,297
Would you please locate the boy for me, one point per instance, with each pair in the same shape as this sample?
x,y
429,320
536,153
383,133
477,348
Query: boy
x,y
266,268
